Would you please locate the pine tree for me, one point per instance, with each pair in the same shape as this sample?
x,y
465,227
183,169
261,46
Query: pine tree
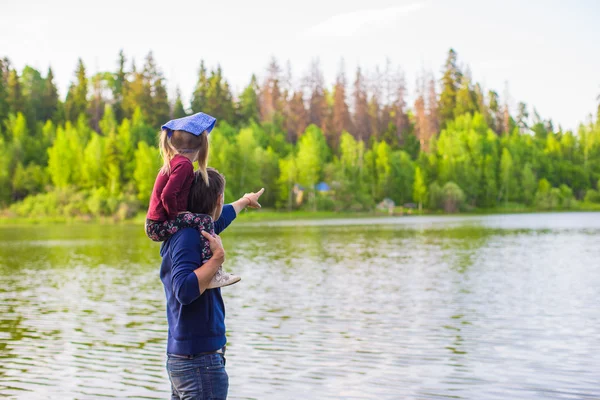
x,y
77,102
433,118
32,88
219,101
50,102
198,103
155,104
495,112
362,128
101,83
178,110
421,121
248,106
270,94
374,105
400,107
297,118
341,114
317,110
119,87
465,98
16,100
450,84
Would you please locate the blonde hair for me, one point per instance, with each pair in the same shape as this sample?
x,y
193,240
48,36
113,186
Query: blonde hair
x,y
183,142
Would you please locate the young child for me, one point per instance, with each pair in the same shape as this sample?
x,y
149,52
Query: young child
x,y
183,141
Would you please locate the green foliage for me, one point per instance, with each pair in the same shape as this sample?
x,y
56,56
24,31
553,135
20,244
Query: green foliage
x,y
453,197
77,103
420,190
147,165
96,153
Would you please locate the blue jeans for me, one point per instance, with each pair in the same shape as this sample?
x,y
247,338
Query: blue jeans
x,y
201,377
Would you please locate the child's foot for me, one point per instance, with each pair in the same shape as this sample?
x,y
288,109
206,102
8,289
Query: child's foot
x,y
223,278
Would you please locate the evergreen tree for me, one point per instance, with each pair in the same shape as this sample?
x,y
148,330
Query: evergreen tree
x,y
101,83
433,118
450,84
16,100
155,106
270,94
465,98
178,110
32,89
248,106
297,118
362,128
119,87
317,110
49,99
219,101
198,103
420,116
77,102
341,114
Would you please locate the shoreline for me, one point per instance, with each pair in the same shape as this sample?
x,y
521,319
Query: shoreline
x,y
274,216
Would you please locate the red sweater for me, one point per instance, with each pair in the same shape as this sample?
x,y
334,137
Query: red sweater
x,y
170,193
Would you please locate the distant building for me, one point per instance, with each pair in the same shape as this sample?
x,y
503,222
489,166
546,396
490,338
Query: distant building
x,y
386,204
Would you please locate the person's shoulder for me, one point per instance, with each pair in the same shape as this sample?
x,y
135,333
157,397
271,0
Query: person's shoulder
x,y
186,235
180,160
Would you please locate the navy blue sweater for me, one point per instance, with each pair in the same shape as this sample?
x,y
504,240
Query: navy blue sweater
x,y
196,322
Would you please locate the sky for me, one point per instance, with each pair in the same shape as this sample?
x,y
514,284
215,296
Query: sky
x,y
545,53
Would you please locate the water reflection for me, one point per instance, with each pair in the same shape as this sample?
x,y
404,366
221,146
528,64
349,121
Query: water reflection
x,y
434,307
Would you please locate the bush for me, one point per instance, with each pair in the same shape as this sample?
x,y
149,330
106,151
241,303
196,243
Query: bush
x,y
592,196
453,197
325,203
97,202
566,197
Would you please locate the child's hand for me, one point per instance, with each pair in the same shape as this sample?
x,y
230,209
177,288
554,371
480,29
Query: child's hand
x,y
253,198
216,247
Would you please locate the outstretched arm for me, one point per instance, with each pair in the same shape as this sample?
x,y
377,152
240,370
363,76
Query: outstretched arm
x,y
230,211
248,200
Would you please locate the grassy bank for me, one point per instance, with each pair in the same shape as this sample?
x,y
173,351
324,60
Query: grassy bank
x,y
274,215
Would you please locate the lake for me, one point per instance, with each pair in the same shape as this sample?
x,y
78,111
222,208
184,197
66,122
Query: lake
x,y
463,307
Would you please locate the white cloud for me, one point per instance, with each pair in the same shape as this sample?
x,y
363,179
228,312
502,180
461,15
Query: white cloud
x,y
349,24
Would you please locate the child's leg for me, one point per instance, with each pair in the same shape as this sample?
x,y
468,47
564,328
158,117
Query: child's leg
x,y
159,231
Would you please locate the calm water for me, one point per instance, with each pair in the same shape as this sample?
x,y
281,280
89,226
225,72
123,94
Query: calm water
x,y
499,307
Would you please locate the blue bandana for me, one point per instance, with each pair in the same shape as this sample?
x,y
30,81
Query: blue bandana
x,y
194,124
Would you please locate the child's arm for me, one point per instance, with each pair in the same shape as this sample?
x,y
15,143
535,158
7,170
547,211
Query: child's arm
x,y
230,211
173,187
248,200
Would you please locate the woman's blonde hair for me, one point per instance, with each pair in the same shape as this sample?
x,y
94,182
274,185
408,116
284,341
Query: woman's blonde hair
x,y
183,142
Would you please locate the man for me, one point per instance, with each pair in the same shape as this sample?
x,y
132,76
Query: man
x,y
196,315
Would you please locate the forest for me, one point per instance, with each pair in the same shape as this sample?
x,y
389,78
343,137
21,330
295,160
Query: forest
x,y
455,146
